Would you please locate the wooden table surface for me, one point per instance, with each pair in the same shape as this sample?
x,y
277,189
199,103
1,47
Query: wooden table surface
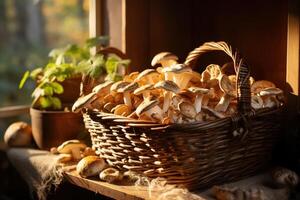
x,y
29,163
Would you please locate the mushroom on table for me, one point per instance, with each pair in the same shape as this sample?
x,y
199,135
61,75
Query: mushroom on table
x,y
73,147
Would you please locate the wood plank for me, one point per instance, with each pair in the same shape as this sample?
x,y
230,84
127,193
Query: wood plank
x,y
124,192
11,111
95,20
293,43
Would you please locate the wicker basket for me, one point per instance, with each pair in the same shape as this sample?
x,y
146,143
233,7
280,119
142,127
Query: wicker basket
x,y
195,155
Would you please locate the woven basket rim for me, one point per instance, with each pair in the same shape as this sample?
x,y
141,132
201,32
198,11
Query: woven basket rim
x,y
258,112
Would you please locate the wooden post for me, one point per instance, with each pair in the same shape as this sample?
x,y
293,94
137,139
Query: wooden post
x,y
95,21
292,61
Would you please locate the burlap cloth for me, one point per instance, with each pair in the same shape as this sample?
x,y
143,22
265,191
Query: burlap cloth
x,y
38,168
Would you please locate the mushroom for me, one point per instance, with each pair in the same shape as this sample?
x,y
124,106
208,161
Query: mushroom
x,y
151,109
212,111
88,151
256,102
269,96
121,109
118,85
166,59
187,109
257,86
18,134
200,93
181,74
228,90
284,177
64,158
73,147
145,90
148,76
90,166
103,88
169,87
111,175
126,93
84,101
130,77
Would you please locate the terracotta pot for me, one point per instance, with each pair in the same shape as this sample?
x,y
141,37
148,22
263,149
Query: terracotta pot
x,y
71,90
51,128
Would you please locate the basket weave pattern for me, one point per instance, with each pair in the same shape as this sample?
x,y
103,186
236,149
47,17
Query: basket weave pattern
x,y
196,155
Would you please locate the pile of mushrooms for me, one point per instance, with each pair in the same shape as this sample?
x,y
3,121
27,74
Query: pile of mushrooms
x,y
174,93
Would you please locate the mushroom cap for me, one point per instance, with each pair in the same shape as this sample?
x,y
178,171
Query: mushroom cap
x,y
18,134
129,88
226,86
257,86
163,56
81,102
118,85
270,91
185,93
90,166
111,175
187,109
214,71
67,146
143,88
167,85
198,90
102,86
178,68
146,105
121,109
145,73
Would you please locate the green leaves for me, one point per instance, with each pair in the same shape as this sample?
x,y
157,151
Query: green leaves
x,y
92,42
24,78
114,65
70,61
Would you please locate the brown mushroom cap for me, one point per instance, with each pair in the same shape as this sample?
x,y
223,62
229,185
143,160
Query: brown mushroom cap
x,y
67,146
143,88
18,134
178,68
111,175
198,90
145,73
257,86
146,105
163,56
214,71
90,166
187,109
102,86
226,86
128,88
167,85
84,101
270,91
118,85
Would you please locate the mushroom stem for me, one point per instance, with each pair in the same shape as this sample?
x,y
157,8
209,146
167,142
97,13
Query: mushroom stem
x,y
156,113
167,101
127,99
183,82
223,103
198,102
146,95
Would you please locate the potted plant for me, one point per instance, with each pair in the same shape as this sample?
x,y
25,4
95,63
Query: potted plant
x,y
58,86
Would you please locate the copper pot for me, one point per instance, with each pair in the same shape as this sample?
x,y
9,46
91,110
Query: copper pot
x,y
51,128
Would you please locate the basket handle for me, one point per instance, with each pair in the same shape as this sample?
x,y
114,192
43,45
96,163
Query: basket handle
x,y
242,71
87,83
